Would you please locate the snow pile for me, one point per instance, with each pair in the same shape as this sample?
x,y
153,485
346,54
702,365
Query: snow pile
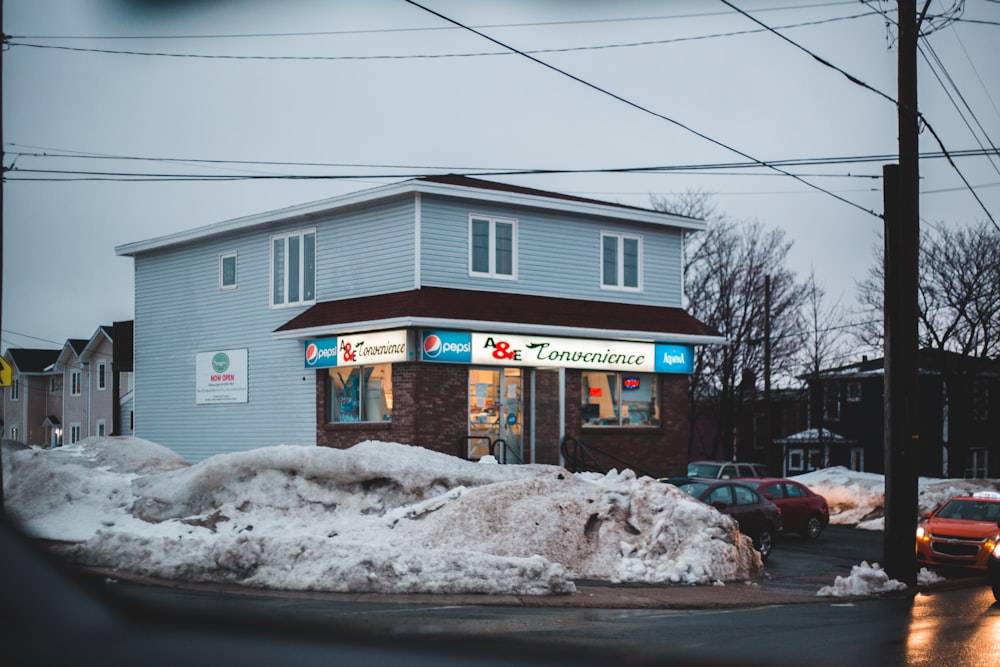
x,y
852,496
378,517
864,580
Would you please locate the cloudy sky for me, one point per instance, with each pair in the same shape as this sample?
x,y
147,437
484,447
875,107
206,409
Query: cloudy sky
x,y
129,119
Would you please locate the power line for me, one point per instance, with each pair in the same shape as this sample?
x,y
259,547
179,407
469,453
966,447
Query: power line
x,y
628,19
639,107
414,56
895,102
419,171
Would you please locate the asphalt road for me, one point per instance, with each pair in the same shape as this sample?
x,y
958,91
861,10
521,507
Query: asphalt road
x,y
51,619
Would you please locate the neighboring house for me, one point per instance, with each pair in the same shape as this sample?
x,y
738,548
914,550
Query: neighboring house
x,y
63,396
958,414
454,313
32,405
72,376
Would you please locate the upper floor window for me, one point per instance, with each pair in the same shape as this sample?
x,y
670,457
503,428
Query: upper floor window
x,y
492,247
15,390
831,401
853,392
102,375
75,382
981,400
227,271
621,261
293,269
54,384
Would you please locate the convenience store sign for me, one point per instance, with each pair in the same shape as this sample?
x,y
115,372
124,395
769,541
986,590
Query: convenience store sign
x,y
370,348
546,351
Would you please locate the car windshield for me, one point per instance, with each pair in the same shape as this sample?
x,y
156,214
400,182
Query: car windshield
x,y
693,488
703,469
971,510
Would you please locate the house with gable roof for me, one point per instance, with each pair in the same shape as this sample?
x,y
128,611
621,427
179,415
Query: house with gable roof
x,y
63,396
471,317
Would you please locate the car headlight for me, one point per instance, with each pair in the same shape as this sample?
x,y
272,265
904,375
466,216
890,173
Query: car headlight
x,y
993,546
922,534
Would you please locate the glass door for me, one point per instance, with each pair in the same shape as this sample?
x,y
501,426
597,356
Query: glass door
x,y
495,414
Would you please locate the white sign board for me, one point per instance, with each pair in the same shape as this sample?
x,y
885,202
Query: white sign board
x,y
545,351
221,377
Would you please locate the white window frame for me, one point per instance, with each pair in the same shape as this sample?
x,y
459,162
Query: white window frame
x,y
75,383
491,272
102,427
102,375
619,278
300,234
223,286
15,389
75,432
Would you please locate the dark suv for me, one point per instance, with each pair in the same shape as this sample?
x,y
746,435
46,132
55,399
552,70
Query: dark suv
x,y
726,469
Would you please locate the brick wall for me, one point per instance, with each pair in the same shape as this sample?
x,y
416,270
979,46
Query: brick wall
x,y
430,409
656,451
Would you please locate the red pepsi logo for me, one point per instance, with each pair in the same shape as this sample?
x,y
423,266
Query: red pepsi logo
x,y
432,346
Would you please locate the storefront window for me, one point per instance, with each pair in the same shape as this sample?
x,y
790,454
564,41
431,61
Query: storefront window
x,y
619,399
360,394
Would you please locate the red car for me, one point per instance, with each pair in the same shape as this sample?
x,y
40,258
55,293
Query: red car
x,y
802,511
963,532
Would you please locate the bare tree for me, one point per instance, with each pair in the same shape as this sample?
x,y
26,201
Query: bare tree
x,y
959,314
727,267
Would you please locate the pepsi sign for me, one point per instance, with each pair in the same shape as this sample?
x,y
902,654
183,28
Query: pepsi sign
x,y
321,353
447,346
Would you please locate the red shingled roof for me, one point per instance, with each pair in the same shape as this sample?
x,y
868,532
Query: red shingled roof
x,y
468,305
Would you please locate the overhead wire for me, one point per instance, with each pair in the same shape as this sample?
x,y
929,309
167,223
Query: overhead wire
x,y
413,56
895,102
641,108
420,171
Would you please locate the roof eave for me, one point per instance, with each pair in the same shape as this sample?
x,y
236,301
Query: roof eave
x,y
323,207
497,327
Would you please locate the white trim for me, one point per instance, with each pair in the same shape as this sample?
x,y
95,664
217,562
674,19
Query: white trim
x,y
102,374
301,235
497,327
417,240
619,285
491,249
222,272
310,211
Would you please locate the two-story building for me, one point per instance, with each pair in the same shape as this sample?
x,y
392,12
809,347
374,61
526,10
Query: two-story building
x,y
32,405
63,396
958,415
458,314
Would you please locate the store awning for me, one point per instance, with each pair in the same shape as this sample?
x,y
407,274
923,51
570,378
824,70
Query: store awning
x,y
444,308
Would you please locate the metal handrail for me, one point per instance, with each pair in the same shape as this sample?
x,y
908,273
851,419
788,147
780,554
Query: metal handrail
x,y
507,450
578,457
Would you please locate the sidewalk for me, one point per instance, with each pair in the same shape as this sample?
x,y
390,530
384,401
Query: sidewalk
x,y
590,594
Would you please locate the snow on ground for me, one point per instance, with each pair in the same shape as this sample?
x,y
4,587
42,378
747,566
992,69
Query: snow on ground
x,y
380,517
393,518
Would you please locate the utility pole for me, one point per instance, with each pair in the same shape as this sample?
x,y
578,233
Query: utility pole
x,y
3,170
772,457
902,244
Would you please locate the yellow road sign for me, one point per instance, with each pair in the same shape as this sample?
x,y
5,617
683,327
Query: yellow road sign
x,y
6,373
